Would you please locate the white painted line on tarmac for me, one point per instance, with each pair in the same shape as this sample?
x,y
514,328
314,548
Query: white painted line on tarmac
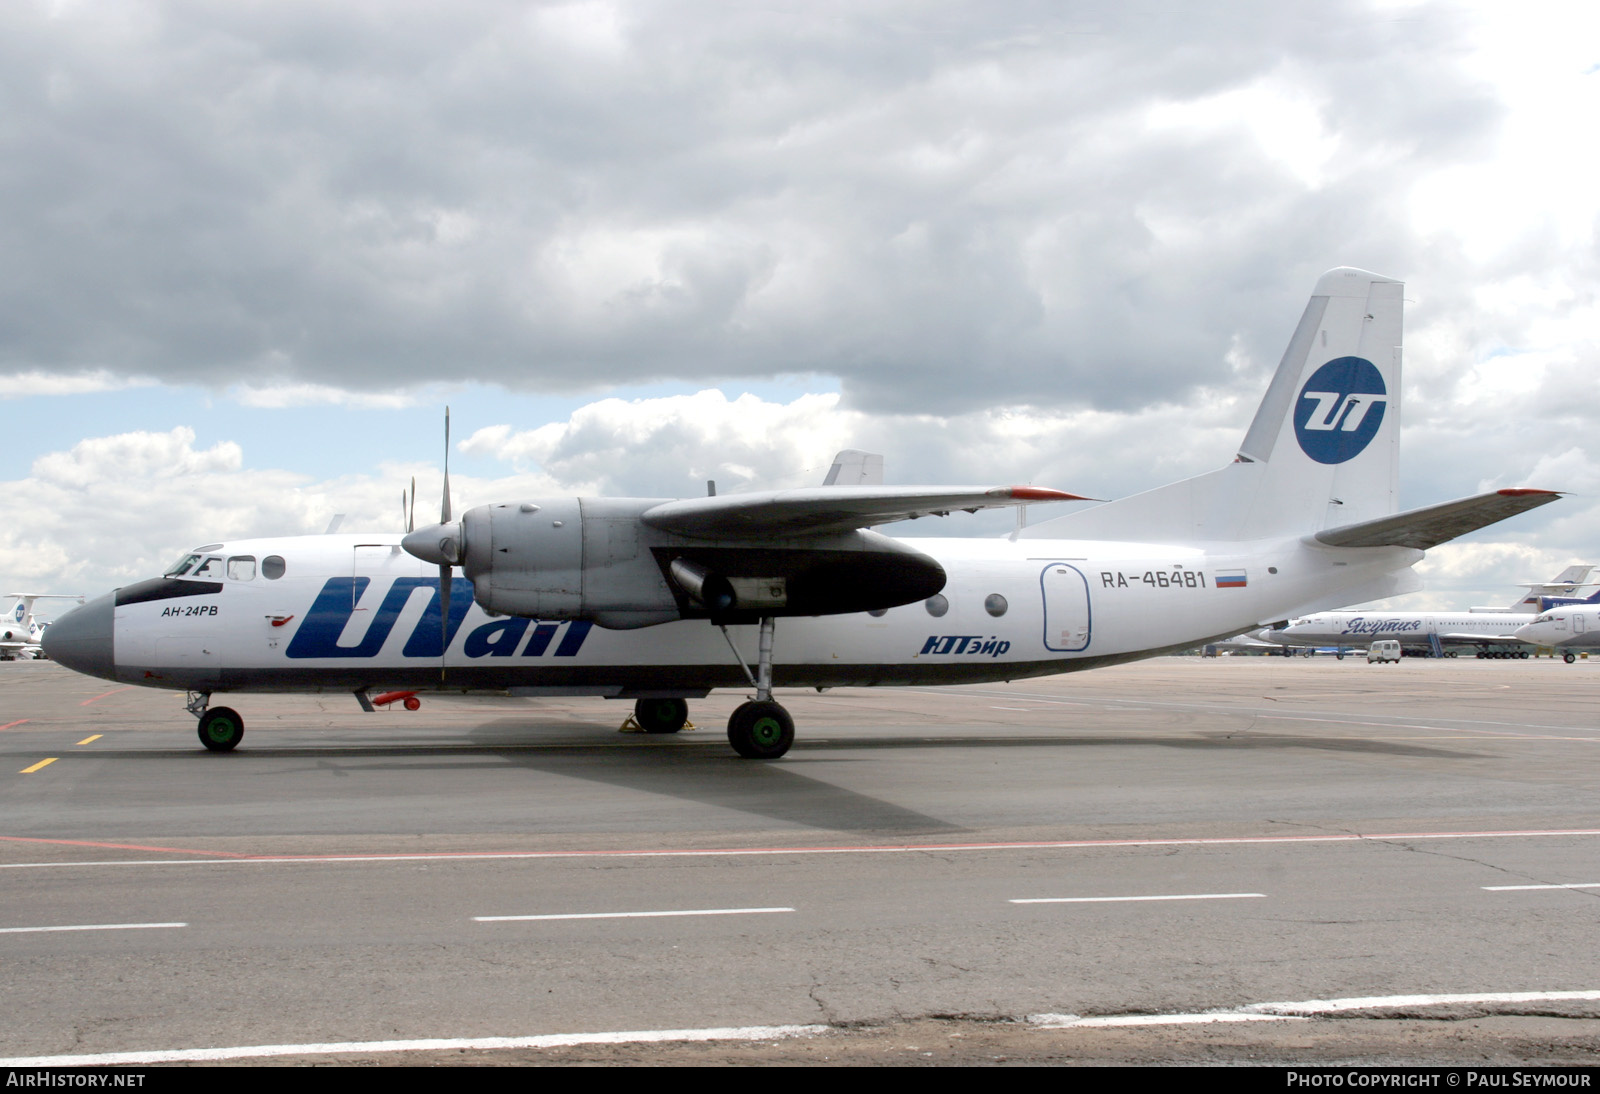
x,y
1070,1021
437,1044
1121,899
1527,888
757,852
93,927
628,915
1310,1008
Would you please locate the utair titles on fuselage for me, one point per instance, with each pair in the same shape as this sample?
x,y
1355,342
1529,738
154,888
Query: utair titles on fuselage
x,y
662,601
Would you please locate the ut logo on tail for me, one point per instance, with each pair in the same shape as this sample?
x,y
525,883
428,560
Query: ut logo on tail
x,y
1340,409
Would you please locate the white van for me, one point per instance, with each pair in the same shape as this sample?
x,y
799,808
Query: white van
x,y
1385,650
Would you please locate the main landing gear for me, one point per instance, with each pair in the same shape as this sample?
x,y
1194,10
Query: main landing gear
x,y
760,729
221,729
661,715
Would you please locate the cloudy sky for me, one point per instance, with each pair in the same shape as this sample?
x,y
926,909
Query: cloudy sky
x,y
250,251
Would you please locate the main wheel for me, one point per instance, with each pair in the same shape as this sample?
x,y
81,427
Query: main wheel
x,y
760,731
660,715
221,729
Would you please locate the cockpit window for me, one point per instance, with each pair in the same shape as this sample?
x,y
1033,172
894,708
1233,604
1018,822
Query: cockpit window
x,y
181,567
211,568
242,568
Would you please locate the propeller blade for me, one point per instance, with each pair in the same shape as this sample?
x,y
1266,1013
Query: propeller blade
x,y
411,513
444,506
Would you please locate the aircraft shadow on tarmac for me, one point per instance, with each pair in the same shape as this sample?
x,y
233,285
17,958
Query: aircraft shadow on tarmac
x,y
711,776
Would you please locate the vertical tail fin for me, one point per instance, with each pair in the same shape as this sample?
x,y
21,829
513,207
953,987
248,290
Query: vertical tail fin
x,y
1322,451
1564,584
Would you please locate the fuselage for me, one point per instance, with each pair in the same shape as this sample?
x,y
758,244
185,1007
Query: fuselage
x,y
351,612
1573,627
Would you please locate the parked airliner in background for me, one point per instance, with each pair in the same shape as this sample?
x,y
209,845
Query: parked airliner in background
x,y
20,631
1489,631
1569,628
661,601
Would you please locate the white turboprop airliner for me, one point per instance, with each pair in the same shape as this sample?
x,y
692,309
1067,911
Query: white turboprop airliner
x,y
661,601
20,632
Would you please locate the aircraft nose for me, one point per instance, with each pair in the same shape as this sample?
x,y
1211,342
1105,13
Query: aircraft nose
x,y
82,639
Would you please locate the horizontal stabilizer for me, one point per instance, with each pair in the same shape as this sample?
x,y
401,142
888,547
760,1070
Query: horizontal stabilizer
x,y
1436,524
820,510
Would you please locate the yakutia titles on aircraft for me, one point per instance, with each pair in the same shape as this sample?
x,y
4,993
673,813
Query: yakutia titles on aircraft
x,y
661,601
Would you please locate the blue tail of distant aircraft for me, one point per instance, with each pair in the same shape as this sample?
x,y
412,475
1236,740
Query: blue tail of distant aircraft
x,y
1548,602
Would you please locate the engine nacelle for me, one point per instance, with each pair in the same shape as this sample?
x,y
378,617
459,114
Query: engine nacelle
x,y
594,559
566,558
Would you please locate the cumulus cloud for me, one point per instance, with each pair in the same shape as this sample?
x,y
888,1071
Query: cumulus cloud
x,y
670,446
1064,207
23,385
278,396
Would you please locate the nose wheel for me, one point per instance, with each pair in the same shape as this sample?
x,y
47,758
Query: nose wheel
x,y
221,729
661,715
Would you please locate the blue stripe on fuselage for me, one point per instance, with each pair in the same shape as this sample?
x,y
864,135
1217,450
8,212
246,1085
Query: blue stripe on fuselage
x,y
335,606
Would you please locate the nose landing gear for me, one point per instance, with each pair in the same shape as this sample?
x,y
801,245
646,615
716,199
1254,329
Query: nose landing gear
x,y
221,729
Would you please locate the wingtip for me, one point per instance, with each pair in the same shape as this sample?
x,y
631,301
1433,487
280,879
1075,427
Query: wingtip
x,y
1043,493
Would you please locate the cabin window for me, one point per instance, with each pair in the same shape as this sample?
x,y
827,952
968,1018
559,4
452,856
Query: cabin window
x,y
242,568
995,605
273,567
937,605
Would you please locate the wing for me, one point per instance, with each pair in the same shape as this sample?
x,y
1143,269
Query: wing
x,y
820,510
1482,640
1436,524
